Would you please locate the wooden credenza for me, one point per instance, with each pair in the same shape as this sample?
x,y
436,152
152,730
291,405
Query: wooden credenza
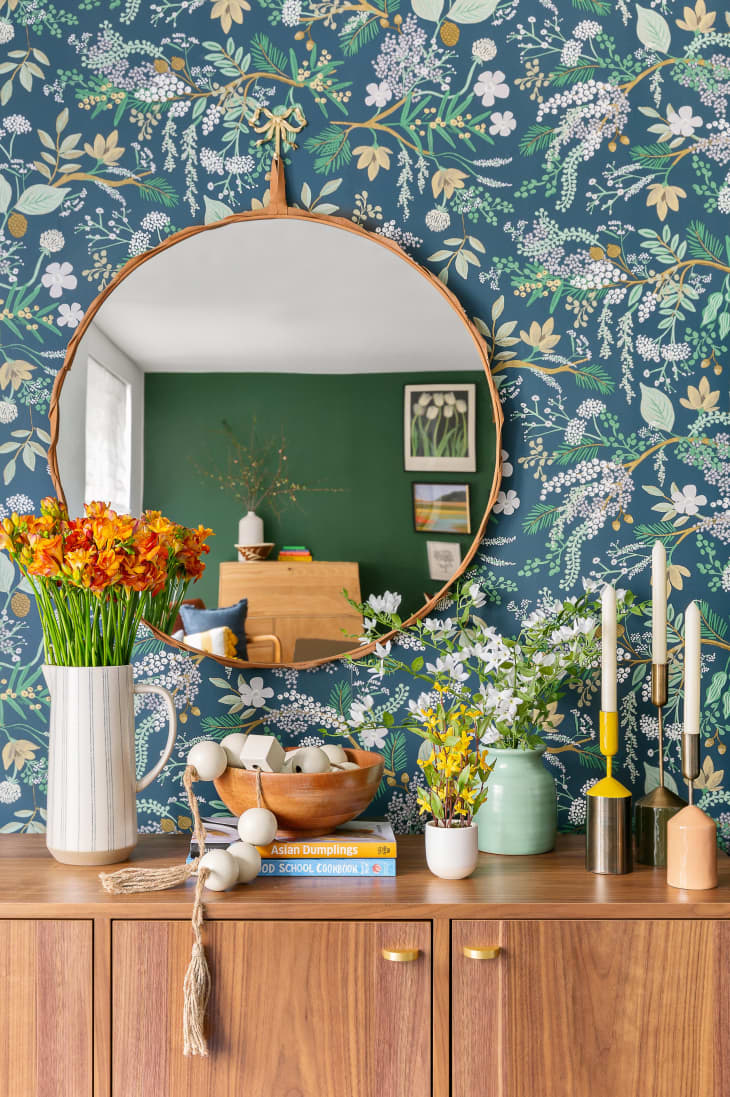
x,y
532,979
295,601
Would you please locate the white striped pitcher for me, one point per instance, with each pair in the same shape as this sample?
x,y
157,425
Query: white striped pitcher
x,y
92,783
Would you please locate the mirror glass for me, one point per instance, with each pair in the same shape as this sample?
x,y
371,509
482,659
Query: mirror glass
x,y
307,374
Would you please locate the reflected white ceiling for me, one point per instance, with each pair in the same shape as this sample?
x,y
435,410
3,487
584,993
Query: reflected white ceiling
x,y
288,296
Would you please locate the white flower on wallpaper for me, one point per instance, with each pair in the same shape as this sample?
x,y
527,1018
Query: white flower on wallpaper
x,y
687,500
57,277
491,86
506,502
683,122
502,124
70,316
378,94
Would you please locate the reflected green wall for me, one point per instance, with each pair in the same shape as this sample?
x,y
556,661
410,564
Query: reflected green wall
x,y
341,431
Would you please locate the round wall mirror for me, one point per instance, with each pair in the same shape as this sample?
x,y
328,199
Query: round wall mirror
x,y
305,389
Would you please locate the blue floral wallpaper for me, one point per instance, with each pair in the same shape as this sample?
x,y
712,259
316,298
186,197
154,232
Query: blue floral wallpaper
x,y
564,168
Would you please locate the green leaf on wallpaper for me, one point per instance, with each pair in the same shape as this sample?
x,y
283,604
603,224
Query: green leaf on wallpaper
x,y
428,9
639,674
651,779
40,198
711,309
157,189
6,194
358,35
594,377
656,408
564,77
652,29
330,186
536,138
25,585
471,11
717,684
726,704
723,324
331,149
541,516
7,574
703,244
267,56
215,210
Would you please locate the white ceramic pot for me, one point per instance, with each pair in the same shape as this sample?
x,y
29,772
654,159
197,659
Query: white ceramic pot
x,y
451,852
251,530
92,780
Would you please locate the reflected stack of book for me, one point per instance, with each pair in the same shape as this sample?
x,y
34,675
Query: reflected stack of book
x,y
295,553
359,848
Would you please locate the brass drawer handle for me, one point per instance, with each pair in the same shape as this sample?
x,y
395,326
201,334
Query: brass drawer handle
x,y
401,955
490,953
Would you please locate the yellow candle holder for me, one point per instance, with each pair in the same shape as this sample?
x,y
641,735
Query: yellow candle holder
x,y
608,831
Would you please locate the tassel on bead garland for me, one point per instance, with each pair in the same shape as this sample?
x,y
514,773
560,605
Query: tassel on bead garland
x,y
197,985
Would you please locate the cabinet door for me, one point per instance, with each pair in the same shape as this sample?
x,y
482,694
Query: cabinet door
x,y
298,1009
45,1008
606,1008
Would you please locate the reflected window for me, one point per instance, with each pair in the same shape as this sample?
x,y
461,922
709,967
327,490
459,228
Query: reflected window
x,y
108,438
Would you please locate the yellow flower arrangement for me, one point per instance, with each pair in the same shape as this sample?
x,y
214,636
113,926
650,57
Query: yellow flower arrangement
x,y
456,770
95,577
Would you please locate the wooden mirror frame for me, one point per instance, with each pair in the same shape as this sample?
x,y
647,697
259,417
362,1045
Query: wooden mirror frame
x,y
278,207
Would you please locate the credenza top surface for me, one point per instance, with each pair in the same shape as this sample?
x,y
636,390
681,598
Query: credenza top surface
x,y
551,885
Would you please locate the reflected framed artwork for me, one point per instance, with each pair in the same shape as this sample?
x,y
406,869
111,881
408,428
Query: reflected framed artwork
x,y
441,508
439,427
444,558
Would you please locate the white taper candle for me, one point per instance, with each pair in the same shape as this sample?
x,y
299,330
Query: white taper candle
x,y
608,649
658,603
692,670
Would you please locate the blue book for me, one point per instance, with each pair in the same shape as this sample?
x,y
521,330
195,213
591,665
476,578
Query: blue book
x,y
318,868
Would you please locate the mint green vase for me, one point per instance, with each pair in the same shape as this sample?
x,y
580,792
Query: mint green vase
x,y
520,814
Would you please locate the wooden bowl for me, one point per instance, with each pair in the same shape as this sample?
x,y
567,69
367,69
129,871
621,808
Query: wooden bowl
x,y
249,553
306,805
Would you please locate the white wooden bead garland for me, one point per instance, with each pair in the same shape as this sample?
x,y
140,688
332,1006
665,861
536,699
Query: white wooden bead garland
x,y
217,870
220,869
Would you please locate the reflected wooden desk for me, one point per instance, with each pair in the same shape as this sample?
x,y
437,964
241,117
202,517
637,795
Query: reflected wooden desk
x,y
294,600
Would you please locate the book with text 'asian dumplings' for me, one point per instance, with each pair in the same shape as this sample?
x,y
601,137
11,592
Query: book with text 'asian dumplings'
x,y
360,838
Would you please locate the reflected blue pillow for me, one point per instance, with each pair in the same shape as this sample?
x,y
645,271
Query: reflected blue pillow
x,y
233,617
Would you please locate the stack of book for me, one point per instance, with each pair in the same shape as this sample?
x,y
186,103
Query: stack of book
x,y
359,848
295,553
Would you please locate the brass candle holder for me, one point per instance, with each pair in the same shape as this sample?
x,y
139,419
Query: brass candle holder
x,y
654,810
691,762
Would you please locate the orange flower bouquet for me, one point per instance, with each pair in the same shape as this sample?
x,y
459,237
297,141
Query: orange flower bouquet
x,y
184,565
96,577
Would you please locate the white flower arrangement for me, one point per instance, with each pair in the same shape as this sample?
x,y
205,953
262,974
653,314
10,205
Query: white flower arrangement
x,y
517,678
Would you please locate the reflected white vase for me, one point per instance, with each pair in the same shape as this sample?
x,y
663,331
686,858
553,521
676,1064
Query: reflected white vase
x,y
452,852
92,781
251,530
